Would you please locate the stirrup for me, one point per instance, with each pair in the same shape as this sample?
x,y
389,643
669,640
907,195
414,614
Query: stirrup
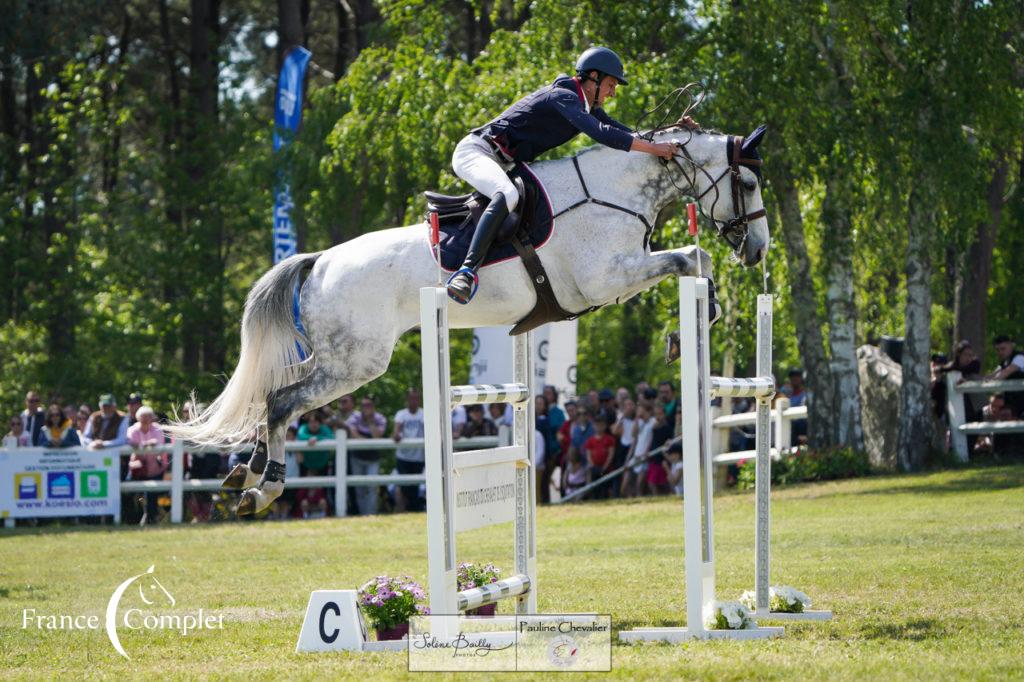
x,y
472,291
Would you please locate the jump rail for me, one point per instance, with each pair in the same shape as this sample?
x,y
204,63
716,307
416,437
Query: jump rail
x,y
959,427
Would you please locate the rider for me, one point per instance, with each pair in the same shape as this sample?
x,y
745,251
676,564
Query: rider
x,y
538,122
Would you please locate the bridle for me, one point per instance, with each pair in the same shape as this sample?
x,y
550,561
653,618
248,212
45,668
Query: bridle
x,y
735,230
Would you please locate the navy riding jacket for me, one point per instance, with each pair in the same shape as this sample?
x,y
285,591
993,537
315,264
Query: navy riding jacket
x,y
551,117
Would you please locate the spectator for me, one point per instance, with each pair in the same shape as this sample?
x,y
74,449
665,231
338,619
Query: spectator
x,y
134,403
312,503
600,453
284,504
674,457
82,420
477,424
657,476
797,398
500,414
592,402
410,459
70,413
624,433
556,417
17,437
641,390
1011,366
565,431
995,411
107,428
314,462
58,431
643,428
146,466
338,421
581,430
621,396
458,421
366,423
543,426
33,417
576,474
667,398
606,405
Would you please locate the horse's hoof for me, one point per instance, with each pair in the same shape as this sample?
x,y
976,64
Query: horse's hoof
x,y
672,351
236,480
246,504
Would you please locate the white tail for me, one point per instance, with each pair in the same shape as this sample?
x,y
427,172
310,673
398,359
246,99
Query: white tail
x,y
270,359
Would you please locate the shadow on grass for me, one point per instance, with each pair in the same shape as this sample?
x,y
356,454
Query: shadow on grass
x,y
917,630
979,479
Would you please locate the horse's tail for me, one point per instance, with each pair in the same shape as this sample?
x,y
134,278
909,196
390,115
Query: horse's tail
x,y
274,354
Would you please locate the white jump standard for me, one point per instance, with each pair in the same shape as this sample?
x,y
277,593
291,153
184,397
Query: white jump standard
x,y
479,488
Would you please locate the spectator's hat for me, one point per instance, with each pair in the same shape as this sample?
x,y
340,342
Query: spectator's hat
x,y
107,399
605,394
135,399
1002,338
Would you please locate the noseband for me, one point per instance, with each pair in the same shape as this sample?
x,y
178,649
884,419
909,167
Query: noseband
x,y
735,230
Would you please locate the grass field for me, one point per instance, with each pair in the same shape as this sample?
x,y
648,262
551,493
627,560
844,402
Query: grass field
x,y
925,575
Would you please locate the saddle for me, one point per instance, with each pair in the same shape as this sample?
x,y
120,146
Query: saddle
x,y
530,224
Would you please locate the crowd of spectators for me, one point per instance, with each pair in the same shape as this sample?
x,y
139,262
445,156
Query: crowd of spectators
x,y
979,407
578,440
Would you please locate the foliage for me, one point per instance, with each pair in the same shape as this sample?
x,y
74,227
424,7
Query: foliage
x,y
135,198
389,602
805,464
476,575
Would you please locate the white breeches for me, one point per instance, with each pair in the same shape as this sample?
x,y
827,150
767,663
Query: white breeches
x,y
475,162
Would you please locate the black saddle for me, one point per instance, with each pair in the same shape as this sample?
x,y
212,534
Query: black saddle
x,y
529,225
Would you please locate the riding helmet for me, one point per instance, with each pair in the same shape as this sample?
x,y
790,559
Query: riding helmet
x,y
603,60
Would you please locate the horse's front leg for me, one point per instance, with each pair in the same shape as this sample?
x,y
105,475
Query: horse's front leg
x,y
640,272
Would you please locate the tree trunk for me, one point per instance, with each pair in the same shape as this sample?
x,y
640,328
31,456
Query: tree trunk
x,y
915,405
842,314
820,385
976,268
290,27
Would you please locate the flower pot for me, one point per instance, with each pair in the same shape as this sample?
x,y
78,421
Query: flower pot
x,y
485,610
397,632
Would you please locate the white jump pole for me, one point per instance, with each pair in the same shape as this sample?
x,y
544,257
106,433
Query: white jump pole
x,y
696,387
453,479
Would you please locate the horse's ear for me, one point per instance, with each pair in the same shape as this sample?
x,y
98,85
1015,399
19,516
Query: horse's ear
x,y
754,138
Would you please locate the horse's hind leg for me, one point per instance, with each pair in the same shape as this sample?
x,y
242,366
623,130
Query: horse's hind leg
x,y
316,390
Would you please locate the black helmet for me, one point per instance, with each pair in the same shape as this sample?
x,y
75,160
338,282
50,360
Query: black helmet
x,y
603,60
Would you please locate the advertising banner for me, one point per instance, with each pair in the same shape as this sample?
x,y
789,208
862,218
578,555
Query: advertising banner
x,y
37,483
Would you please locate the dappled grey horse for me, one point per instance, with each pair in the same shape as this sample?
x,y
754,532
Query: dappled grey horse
x,y
362,295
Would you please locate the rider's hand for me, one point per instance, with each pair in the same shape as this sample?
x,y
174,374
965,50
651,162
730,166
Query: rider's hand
x,y
663,149
688,122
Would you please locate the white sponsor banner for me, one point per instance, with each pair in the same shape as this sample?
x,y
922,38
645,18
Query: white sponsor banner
x,y
35,482
484,496
554,360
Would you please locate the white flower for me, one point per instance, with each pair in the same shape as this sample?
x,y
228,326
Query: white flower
x,y
730,615
788,599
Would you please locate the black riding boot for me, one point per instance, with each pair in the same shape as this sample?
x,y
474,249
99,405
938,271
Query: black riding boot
x,y
460,286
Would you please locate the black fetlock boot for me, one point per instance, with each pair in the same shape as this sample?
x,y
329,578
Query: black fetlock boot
x,y
463,284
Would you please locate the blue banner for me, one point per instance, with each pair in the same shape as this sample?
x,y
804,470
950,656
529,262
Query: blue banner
x,y
287,116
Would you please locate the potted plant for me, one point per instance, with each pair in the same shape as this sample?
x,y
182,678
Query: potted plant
x,y
728,615
781,599
389,603
478,575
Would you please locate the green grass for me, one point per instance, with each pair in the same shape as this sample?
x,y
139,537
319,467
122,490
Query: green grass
x,y
925,575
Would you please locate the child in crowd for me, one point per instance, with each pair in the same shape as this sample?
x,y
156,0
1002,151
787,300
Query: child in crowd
x,y
657,476
674,466
576,475
600,451
312,502
643,432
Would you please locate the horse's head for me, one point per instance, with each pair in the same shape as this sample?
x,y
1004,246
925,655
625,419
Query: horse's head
x,y
150,589
724,174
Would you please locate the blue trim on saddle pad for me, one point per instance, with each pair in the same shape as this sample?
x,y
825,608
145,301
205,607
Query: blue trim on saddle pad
x,y
455,239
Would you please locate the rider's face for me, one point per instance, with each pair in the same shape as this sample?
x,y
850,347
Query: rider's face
x,y
606,89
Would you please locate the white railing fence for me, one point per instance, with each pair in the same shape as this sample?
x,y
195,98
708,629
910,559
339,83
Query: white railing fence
x,y
177,485
959,427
